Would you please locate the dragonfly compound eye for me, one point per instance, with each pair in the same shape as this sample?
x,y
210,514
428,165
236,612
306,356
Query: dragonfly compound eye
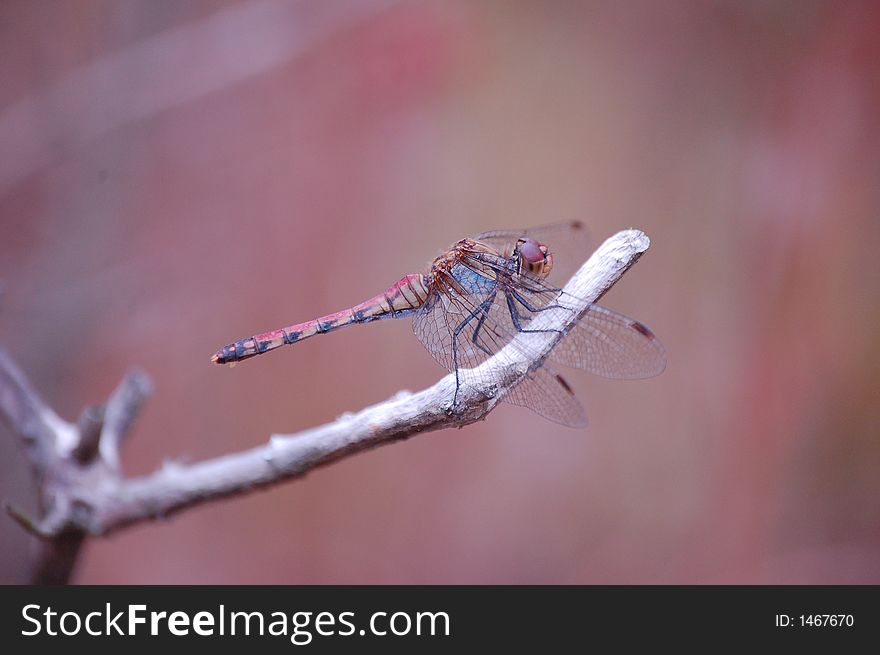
x,y
531,252
534,256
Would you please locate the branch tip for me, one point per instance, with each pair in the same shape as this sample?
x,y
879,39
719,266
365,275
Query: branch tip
x,y
89,425
124,405
24,520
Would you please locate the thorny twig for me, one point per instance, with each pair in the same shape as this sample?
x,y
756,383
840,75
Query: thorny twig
x,y
83,492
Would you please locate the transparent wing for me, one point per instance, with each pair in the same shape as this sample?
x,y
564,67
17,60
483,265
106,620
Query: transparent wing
x,y
464,330
569,243
442,323
607,343
544,233
476,314
546,392
602,342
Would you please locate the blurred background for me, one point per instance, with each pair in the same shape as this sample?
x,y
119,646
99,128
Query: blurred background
x,y
178,175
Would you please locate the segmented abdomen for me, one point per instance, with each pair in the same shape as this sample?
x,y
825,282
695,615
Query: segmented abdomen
x,y
400,299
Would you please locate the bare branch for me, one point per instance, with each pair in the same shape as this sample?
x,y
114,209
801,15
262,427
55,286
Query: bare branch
x,y
64,458
26,414
25,521
90,425
95,499
122,409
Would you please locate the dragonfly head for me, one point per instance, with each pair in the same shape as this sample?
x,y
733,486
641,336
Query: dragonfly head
x,y
533,257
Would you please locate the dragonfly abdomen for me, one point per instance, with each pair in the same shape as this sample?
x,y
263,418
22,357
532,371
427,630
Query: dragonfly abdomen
x,y
400,299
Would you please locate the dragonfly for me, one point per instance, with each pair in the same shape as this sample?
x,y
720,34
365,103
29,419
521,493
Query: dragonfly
x,y
480,294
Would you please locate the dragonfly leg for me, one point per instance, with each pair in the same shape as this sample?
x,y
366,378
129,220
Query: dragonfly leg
x,y
525,303
514,313
483,308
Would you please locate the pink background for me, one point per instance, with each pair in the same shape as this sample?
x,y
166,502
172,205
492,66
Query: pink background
x,y
177,175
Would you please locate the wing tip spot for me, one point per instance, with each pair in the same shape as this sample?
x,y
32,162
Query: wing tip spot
x,y
564,384
643,329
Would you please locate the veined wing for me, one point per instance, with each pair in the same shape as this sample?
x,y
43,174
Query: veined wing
x,y
603,341
466,318
610,344
568,242
463,325
544,233
463,331
546,392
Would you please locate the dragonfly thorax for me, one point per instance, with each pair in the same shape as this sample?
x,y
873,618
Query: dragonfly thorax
x,y
469,267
